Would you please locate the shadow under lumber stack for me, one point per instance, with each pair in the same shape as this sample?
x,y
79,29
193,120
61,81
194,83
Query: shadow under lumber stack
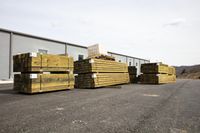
x,y
99,72
157,73
42,72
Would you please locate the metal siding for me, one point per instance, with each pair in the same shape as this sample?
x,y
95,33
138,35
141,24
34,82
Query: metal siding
x,y
118,57
130,60
4,55
75,51
142,62
23,44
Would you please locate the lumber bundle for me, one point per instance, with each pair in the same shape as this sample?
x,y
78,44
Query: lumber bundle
x,y
36,83
94,80
99,65
132,70
155,68
157,73
35,62
42,72
94,73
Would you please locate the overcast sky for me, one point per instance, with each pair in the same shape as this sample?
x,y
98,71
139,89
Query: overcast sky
x,y
159,30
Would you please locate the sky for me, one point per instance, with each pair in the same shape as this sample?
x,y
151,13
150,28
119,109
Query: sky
x,y
165,31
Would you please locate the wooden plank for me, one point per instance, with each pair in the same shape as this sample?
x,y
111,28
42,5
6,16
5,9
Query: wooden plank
x,y
37,83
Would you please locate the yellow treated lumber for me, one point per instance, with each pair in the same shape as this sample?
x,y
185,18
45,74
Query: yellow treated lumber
x,y
35,62
93,80
36,83
99,65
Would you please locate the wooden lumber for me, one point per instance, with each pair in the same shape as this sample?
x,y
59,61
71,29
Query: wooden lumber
x,y
157,78
133,78
132,70
35,62
37,83
171,70
93,65
94,80
104,57
154,68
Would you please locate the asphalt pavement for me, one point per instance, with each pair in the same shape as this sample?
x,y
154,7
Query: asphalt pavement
x,y
131,108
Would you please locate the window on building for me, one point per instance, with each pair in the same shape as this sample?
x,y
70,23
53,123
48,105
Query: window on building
x,y
129,63
80,57
119,60
136,64
42,51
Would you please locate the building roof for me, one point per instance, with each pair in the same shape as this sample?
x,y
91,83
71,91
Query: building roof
x,y
57,41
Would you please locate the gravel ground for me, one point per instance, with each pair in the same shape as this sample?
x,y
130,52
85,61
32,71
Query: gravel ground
x,y
170,108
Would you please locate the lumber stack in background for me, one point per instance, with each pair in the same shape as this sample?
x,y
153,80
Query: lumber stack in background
x,y
132,70
95,72
42,72
157,73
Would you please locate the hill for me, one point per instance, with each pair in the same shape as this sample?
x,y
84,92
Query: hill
x,y
188,72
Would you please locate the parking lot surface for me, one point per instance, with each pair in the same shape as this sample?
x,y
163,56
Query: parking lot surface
x,y
169,108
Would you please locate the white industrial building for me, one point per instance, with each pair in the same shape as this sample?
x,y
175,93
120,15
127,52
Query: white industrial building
x,y
13,42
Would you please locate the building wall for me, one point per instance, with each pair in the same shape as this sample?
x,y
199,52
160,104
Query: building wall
x,y
22,44
130,61
13,43
119,58
76,51
4,55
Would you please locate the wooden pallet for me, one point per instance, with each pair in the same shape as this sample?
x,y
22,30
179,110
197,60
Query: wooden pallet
x,y
94,80
157,78
154,68
99,65
37,83
35,62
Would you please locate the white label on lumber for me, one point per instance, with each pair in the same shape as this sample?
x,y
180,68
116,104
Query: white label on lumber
x,y
91,61
33,54
94,75
33,76
157,75
46,73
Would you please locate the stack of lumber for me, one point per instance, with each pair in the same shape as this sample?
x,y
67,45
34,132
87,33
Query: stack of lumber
x,y
132,70
99,65
35,62
93,73
42,72
94,80
157,73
